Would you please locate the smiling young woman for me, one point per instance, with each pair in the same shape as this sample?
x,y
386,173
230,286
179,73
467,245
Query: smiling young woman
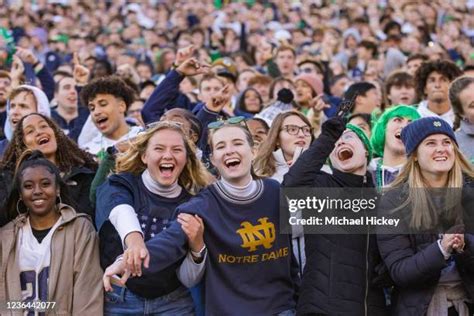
x,y
69,276
38,132
242,234
431,255
157,173
290,134
23,100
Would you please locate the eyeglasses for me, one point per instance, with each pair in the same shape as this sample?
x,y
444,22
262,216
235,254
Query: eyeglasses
x,y
294,130
236,120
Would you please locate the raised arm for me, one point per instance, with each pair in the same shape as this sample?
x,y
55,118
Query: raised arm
x,y
41,72
167,93
164,95
312,160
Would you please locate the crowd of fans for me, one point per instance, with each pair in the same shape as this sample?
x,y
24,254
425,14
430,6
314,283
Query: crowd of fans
x,y
143,147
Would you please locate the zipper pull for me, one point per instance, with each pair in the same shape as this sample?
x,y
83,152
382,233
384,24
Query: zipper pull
x,y
365,179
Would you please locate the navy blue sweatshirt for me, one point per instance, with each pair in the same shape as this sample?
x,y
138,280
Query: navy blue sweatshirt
x,y
154,213
73,128
165,96
249,264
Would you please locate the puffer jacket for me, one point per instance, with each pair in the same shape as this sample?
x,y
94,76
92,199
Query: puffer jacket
x,y
415,262
337,279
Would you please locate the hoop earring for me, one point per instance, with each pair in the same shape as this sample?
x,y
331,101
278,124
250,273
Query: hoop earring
x,y
58,199
18,206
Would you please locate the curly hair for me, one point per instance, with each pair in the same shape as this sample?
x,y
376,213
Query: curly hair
x,y
444,67
68,154
112,85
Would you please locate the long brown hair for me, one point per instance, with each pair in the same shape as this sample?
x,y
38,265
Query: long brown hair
x,y
194,176
265,164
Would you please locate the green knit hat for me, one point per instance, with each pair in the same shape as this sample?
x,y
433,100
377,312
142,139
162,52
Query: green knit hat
x,y
365,140
379,127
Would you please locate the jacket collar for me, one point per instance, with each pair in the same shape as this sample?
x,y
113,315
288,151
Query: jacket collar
x,y
77,170
352,180
68,214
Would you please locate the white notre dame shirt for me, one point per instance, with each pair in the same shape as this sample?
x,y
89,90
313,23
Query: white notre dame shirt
x,y
34,260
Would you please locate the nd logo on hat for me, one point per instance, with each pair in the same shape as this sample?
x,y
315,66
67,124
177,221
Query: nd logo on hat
x,y
437,124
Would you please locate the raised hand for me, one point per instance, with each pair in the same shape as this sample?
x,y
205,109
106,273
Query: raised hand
x,y
318,104
80,72
220,99
26,55
128,72
183,54
192,67
17,67
448,242
458,244
193,227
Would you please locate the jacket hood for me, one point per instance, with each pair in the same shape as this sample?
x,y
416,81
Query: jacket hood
x,y
42,107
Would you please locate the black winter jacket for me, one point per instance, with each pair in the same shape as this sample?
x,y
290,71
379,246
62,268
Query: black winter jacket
x,y
337,277
415,261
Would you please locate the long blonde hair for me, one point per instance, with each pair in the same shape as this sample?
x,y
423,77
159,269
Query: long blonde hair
x,y
424,214
194,176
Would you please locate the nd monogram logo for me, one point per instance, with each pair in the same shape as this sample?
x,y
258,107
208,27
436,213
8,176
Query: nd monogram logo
x,y
258,235
437,124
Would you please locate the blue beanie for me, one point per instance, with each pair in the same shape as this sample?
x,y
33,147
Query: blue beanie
x,y
415,132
